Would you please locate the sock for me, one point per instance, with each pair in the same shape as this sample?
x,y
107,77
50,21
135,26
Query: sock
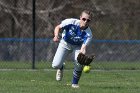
x,y
76,76
61,68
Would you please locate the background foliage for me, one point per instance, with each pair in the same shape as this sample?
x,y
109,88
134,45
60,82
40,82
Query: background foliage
x,y
113,19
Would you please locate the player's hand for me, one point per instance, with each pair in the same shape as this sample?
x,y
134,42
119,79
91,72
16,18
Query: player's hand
x,y
56,39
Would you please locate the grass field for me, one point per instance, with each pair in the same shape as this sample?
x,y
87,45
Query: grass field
x,y
104,78
43,81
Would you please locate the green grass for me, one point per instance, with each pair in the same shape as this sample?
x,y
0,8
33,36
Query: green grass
x,y
105,77
43,81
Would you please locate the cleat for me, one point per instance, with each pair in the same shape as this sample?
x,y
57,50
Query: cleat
x,y
59,75
75,86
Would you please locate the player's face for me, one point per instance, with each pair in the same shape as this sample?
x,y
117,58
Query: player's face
x,y
84,20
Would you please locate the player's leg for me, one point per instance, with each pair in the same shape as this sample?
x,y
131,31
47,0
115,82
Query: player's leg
x,y
77,71
58,60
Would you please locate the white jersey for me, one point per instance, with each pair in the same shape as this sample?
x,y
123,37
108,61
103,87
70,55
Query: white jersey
x,y
72,33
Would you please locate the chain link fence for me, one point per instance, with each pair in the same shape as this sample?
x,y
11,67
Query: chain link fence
x,y
115,27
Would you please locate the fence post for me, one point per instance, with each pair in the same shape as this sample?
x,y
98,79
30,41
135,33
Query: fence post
x,y
34,30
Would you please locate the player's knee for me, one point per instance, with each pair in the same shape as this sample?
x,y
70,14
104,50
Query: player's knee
x,y
55,66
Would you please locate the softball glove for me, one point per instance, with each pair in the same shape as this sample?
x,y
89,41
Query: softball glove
x,y
85,59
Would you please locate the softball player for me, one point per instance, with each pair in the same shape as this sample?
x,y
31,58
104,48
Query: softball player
x,y
76,36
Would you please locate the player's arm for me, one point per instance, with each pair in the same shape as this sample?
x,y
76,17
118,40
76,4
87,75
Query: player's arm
x,y
84,58
83,49
86,42
56,33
